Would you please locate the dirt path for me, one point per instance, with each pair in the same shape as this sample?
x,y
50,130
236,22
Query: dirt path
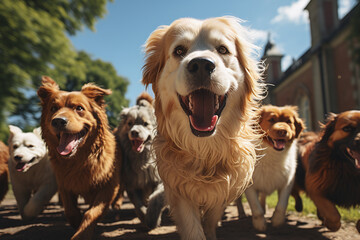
x,y
123,224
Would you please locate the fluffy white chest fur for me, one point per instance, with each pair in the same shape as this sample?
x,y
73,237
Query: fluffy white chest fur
x,y
275,169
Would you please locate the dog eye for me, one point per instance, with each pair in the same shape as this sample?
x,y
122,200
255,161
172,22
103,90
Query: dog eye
x,y
30,146
272,120
348,128
54,109
79,108
15,146
222,50
288,121
146,124
130,123
179,51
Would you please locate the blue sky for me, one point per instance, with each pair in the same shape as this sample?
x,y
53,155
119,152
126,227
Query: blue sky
x,y
119,36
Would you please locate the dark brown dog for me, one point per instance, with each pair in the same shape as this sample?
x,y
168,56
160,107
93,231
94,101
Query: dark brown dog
x,y
330,166
82,150
4,171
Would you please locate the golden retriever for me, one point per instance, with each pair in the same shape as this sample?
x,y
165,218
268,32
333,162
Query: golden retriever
x,y
329,168
276,169
206,86
82,150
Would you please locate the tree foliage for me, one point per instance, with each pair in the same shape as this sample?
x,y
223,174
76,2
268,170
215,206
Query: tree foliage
x,y
34,42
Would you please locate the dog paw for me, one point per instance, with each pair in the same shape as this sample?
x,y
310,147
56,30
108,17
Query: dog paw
x,y
278,218
332,226
259,223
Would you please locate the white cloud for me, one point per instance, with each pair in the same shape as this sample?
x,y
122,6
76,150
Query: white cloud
x,y
258,35
294,13
286,61
345,6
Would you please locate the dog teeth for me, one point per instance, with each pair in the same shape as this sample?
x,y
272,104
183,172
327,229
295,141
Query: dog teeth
x,y
217,102
191,106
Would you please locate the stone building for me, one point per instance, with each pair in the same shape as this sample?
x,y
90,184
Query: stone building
x,y
325,78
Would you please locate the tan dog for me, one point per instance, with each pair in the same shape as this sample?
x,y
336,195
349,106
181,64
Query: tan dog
x,y
276,169
206,87
82,150
330,163
4,172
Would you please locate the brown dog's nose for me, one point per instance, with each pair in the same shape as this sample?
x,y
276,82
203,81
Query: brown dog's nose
x,y
59,123
201,67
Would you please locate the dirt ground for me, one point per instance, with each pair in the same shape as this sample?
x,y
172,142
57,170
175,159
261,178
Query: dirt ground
x,y
123,224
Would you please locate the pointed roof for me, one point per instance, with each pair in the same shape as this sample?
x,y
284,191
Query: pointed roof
x,y
271,49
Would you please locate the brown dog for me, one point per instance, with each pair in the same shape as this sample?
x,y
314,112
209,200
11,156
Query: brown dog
x,y
82,150
4,172
331,166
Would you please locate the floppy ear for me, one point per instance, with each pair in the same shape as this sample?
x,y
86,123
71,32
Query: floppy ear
x,y
329,126
245,51
96,93
48,87
154,56
299,126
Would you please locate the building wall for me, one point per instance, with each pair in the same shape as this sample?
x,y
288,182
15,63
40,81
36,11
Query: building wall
x,y
343,74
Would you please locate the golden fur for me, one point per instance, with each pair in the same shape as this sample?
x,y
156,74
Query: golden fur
x,y
87,169
203,174
4,171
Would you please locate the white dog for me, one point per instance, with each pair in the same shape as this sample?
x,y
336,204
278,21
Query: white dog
x,y
31,175
276,169
206,85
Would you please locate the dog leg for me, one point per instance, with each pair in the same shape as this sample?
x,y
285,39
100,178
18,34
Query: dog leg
x,y
240,208
262,199
137,200
327,210
155,207
72,212
210,221
278,217
22,196
39,200
258,219
187,218
99,205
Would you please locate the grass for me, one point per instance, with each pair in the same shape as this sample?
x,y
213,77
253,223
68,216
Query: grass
x,y
347,215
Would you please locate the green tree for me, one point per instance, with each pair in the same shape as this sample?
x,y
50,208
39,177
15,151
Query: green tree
x,y
104,75
33,42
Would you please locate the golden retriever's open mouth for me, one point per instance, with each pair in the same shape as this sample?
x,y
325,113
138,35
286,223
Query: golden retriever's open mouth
x,y
69,142
354,155
278,144
203,108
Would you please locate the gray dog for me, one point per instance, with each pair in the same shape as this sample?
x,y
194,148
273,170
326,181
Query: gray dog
x,y
142,183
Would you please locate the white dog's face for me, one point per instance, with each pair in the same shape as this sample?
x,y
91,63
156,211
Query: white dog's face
x,y
201,75
26,148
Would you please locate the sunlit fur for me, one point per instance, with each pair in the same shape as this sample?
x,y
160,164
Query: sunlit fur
x,y
276,169
202,175
92,171
4,172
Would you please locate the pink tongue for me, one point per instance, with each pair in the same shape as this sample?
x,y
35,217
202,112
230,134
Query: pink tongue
x,y
203,118
20,167
137,145
67,143
279,144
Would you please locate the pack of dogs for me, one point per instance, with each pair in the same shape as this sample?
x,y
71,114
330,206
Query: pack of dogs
x,y
199,145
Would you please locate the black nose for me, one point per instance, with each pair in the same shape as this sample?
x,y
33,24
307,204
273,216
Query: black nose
x,y
59,123
17,158
134,134
281,133
202,67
